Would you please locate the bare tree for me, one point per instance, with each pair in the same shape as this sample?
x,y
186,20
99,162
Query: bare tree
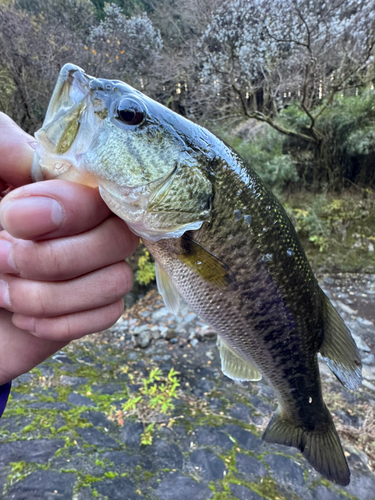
x,y
257,56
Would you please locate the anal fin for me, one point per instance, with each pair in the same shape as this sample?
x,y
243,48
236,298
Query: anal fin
x,y
339,349
234,367
167,290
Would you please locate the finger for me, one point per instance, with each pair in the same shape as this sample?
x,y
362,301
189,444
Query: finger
x,y
16,153
71,326
20,351
66,258
51,209
41,299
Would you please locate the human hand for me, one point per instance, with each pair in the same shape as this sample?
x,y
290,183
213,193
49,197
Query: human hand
x,y
62,269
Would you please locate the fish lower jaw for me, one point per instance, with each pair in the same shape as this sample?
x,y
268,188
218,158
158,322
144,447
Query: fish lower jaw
x,y
46,168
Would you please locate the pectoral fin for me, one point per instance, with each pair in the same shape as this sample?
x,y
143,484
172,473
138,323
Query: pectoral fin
x,y
204,263
167,289
339,349
235,367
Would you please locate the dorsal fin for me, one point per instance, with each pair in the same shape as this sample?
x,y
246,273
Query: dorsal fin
x,y
339,349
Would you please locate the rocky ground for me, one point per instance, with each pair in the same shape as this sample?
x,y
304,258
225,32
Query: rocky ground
x,y
66,435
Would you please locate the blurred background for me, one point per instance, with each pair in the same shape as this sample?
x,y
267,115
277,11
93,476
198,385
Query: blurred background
x,y
289,86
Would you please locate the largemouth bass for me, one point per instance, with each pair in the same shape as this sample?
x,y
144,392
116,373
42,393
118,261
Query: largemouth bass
x,y
220,239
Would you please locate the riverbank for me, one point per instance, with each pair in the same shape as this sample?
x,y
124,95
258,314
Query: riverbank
x,y
64,434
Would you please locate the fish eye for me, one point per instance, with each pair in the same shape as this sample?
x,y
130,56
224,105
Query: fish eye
x,y
130,112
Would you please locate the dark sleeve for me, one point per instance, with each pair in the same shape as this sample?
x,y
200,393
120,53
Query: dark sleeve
x,y
4,394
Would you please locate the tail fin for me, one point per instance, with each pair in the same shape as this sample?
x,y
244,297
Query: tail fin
x,y
321,447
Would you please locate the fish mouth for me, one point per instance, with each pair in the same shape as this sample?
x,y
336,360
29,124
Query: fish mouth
x,y
70,115
69,100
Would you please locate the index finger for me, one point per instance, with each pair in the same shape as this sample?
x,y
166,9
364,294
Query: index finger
x,y
16,153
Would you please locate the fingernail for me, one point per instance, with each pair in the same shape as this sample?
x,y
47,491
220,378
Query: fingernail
x,y
33,216
7,264
4,294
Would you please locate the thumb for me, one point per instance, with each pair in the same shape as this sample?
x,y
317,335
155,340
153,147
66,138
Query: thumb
x,y
16,153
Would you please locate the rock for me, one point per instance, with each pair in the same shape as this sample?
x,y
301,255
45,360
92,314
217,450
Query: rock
x,y
131,434
361,344
260,405
78,400
362,485
122,458
171,334
155,332
285,470
35,450
85,493
44,485
213,436
240,492
120,488
174,486
190,317
73,381
245,439
144,339
108,389
250,467
369,385
329,281
132,356
345,308
323,493
163,331
210,466
210,355
206,333
160,314
194,342
48,405
368,372
364,322
98,419
173,341
139,329
166,455
242,412
129,300
97,438
368,360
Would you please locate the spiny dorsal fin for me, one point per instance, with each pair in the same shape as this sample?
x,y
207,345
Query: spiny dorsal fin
x,y
204,263
235,367
339,349
167,290
321,446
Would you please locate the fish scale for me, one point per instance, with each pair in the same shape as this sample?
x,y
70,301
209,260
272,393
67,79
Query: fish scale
x,y
219,238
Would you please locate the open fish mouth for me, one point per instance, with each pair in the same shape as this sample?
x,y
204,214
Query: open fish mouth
x,y
69,100
68,126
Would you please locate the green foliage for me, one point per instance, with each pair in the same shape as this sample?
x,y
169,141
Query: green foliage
x,y
264,153
151,403
146,269
346,148
337,233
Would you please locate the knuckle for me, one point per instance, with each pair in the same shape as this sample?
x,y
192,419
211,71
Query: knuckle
x,y
122,279
29,298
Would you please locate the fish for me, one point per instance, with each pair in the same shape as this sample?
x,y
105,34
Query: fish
x,y
220,239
